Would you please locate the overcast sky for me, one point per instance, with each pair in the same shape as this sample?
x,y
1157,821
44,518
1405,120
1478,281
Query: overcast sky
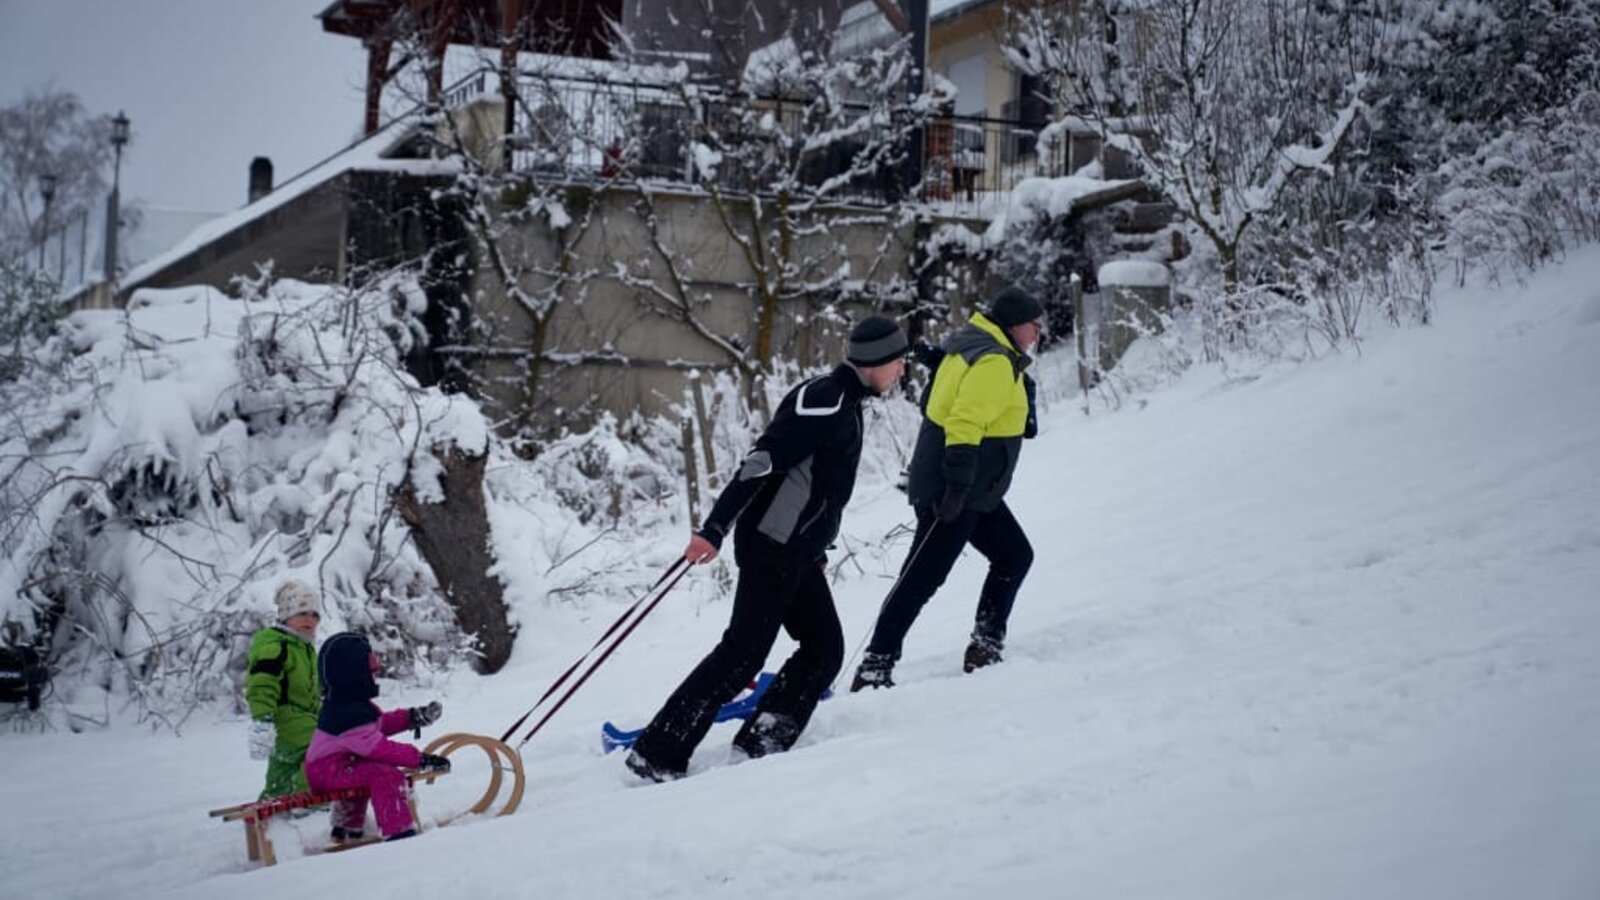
x,y
208,85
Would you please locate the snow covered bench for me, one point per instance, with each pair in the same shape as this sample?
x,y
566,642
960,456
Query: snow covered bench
x,y
256,814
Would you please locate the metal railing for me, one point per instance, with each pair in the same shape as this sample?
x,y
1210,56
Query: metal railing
x,y
70,254
590,130
974,162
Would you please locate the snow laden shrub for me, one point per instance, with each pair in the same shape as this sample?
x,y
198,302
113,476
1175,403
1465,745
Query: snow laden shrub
x,y
167,466
1333,258
1040,243
1527,195
606,475
28,309
590,520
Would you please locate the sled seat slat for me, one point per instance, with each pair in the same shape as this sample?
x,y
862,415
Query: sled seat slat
x,y
256,814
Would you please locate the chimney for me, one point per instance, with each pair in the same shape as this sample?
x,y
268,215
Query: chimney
x,y
260,178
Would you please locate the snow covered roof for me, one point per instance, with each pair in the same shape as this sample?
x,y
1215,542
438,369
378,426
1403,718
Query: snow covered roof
x,y
370,154
948,9
862,27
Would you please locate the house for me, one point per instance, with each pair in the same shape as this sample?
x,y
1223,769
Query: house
x,y
682,289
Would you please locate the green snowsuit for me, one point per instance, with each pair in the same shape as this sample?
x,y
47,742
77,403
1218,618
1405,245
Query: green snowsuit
x,y
280,685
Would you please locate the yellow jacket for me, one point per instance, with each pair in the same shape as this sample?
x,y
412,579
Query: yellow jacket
x,y
974,418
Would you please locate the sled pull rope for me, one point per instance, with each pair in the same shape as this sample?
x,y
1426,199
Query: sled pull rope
x,y
605,654
673,572
915,552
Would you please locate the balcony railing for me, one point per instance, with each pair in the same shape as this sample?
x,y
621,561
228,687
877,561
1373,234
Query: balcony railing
x,y
590,130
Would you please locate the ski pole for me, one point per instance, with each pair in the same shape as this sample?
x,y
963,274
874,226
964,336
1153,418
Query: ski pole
x,y
681,564
915,552
605,655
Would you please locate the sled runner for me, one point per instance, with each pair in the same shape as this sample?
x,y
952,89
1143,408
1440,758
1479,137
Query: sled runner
x,y
614,738
257,814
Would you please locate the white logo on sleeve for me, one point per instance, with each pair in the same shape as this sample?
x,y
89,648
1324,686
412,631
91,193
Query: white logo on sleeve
x,y
801,409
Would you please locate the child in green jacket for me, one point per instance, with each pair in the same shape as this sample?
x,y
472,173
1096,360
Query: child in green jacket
x,y
281,688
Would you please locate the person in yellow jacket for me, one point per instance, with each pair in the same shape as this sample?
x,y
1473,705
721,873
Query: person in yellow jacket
x,y
976,414
282,689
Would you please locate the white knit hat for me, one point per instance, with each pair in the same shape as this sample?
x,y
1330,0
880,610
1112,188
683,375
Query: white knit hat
x,y
296,597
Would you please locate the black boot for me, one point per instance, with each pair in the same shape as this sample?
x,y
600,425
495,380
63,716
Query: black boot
x,y
648,770
343,835
767,732
983,651
876,671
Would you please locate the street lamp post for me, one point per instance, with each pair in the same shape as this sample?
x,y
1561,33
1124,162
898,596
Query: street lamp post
x,y
47,191
119,138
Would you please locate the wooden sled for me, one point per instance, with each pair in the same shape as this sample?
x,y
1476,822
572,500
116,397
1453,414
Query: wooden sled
x,y
257,814
502,759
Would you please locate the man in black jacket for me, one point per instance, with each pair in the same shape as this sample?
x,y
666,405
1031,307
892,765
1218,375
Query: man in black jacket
x,y
976,414
788,499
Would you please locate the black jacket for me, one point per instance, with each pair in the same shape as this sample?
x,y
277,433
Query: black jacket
x,y
791,490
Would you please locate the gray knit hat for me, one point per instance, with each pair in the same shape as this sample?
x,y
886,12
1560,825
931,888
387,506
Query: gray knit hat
x,y
876,340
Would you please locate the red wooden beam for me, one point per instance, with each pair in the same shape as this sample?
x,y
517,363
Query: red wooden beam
x,y
895,15
377,76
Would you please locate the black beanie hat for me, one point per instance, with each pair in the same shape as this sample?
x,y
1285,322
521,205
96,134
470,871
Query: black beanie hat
x,y
876,340
1014,306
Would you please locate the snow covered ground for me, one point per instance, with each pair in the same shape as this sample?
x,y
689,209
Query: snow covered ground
x,y
1329,630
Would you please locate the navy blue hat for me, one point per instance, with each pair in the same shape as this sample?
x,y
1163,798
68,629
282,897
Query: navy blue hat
x,y
1014,306
344,666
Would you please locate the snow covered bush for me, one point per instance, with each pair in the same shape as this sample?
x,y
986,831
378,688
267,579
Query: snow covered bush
x,y
165,467
1527,195
27,310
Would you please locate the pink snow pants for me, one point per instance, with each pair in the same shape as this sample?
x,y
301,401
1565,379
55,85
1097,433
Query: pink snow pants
x,y
384,783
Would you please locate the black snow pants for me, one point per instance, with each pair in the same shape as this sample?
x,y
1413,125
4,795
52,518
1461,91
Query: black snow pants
x,y
776,590
935,549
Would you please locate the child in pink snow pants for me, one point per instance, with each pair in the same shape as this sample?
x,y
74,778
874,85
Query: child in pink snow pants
x,y
351,747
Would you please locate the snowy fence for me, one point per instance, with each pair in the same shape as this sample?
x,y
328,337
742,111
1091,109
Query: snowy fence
x,y
1134,298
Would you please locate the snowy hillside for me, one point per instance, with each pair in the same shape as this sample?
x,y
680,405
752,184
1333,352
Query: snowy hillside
x,y
1320,631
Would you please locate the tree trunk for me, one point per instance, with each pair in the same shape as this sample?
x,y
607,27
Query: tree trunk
x,y
1229,253
453,536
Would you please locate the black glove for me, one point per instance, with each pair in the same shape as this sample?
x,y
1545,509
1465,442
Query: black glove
x,y
953,504
432,762
927,354
425,715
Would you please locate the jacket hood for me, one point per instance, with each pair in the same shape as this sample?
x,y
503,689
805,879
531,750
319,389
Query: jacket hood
x,y
345,666
981,336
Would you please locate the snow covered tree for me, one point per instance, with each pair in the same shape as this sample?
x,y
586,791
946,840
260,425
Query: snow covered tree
x,y
48,132
1493,119
164,467
799,157
783,155
1222,105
